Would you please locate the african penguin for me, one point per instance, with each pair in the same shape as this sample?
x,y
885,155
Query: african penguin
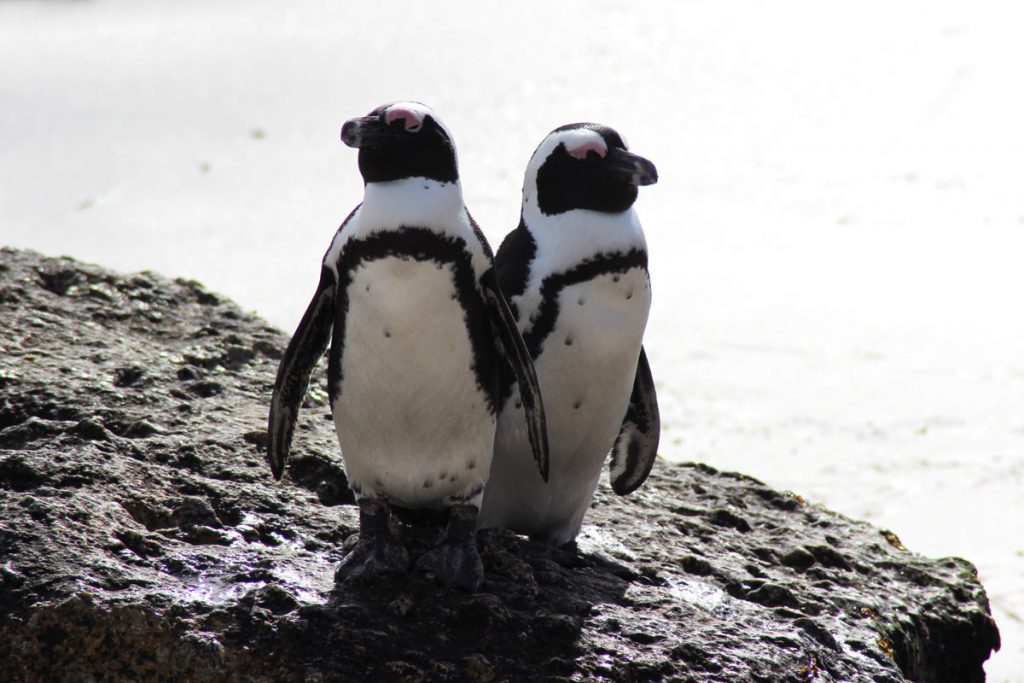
x,y
575,274
418,328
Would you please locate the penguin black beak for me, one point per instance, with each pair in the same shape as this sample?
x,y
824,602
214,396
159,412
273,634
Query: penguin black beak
x,y
367,131
632,168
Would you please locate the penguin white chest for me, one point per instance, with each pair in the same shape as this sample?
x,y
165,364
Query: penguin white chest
x,y
586,369
587,364
412,422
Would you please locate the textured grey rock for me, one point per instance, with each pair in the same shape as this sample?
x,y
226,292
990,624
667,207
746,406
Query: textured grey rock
x,y
142,538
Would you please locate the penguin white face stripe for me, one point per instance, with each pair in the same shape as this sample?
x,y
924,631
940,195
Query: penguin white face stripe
x,y
577,139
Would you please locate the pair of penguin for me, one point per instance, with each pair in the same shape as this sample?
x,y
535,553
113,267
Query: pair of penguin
x,y
441,352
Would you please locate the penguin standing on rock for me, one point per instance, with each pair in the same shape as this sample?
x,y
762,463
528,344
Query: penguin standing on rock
x,y
575,273
419,332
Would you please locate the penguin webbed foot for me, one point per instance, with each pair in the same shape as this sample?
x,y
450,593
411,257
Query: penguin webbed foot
x,y
455,561
565,554
377,551
370,558
455,564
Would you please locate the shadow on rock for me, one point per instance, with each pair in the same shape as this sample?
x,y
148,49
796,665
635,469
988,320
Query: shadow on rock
x,y
143,538
527,618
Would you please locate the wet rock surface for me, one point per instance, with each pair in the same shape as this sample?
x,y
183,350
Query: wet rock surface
x,y
142,537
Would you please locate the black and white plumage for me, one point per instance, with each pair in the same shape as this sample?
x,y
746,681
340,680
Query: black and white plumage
x,y
575,273
409,300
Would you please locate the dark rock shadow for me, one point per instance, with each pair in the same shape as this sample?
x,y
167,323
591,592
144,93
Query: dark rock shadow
x,y
526,621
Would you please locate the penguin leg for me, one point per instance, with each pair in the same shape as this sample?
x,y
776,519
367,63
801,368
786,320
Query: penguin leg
x,y
455,561
377,551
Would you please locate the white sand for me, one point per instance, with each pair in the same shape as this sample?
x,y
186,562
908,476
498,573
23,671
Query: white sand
x,y
836,238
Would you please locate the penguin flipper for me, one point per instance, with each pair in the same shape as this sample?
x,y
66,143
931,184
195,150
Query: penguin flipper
x,y
637,443
304,351
522,366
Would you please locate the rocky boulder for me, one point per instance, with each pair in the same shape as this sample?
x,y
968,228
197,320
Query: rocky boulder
x,y
142,537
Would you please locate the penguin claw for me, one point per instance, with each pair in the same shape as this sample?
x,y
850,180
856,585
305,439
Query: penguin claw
x,y
370,558
455,564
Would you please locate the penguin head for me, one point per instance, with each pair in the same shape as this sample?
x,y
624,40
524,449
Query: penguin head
x,y
585,166
402,140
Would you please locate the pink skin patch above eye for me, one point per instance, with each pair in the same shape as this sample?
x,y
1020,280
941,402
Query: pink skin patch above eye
x,y
413,119
580,149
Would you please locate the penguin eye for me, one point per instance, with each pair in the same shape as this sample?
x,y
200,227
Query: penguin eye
x,y
580,149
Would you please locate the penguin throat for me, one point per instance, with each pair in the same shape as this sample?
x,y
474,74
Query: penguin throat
x,y
412,201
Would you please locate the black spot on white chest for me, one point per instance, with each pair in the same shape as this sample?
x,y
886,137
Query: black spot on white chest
x,y
597,296
599,320
401,308
409,306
